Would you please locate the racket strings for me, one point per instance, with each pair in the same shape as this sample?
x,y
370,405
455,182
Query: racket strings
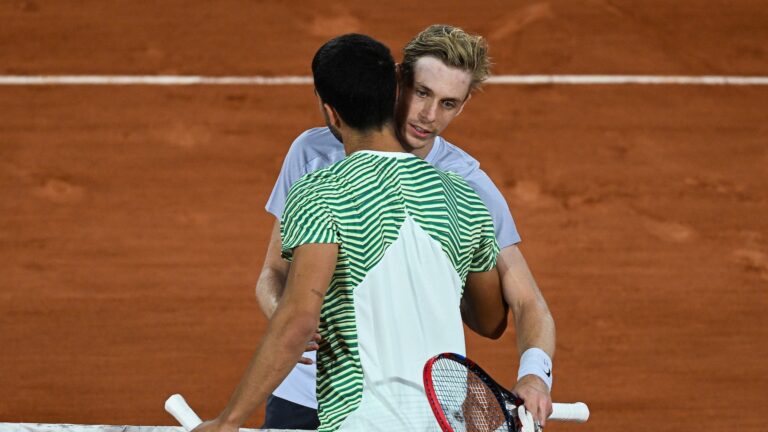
x,y
468,403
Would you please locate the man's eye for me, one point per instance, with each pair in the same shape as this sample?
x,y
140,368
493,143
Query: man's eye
x,y
421,93
449,105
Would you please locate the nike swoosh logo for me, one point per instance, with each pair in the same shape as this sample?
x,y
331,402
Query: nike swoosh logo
x,y
548,373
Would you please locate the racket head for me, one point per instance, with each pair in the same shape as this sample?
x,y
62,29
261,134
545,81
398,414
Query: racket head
x,y
464,397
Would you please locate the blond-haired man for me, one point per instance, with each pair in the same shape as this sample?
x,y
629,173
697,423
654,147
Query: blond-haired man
x,y
442,67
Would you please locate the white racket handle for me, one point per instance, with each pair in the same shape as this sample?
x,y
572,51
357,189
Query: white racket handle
x,y
576,412
180,410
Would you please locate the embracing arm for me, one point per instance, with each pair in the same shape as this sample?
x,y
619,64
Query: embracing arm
x,y
274,272
269,288
294,322
534,326
533,322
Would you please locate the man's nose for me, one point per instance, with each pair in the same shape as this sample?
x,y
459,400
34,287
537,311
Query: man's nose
x,y
427,113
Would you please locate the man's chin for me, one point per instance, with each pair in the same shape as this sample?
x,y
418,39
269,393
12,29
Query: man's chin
x,y
417,144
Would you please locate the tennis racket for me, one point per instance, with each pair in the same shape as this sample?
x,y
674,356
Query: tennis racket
x,y
180,410
464,397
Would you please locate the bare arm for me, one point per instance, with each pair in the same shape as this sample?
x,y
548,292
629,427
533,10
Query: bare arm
x,y
274,272
533,323
482,307
269,288
294,322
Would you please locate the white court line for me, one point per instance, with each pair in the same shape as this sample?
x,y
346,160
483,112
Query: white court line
x,y
168,80
184,80
629,79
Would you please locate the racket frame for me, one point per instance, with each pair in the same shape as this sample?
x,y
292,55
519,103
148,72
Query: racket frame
x,y
503,396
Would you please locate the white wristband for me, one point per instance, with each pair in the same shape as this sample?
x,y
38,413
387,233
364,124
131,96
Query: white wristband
x,y
535,361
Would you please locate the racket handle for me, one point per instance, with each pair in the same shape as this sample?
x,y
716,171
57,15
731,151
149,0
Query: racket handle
x,y
180,410
576,412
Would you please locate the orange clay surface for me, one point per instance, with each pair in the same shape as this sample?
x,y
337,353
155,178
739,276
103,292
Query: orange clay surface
x,y
132,227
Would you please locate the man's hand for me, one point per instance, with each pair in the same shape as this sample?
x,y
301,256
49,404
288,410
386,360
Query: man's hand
x,y
215,425
294,322
312,345
534,392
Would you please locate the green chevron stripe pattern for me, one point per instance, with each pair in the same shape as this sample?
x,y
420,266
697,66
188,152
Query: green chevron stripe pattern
x,y
361,203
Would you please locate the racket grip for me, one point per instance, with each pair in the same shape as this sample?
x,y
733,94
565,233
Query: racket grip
x,y
180,410
576,412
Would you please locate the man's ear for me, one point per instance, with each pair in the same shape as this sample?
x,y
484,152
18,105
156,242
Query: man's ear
x,y
461,108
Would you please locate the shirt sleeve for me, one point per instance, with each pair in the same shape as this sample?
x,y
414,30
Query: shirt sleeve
x,y
503,223
294,167
450,158
306,219
487,250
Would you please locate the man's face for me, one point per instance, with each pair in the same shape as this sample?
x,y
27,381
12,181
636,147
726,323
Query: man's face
x,y
438,95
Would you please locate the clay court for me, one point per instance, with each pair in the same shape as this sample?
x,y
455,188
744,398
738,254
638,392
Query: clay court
x,y
133,228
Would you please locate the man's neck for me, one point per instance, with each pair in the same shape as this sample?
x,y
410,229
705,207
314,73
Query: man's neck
x,y
382,140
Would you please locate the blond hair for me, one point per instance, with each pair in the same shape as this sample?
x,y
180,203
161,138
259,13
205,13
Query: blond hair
x,y
454,47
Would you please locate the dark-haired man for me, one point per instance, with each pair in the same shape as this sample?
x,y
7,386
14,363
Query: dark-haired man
x,y
387,253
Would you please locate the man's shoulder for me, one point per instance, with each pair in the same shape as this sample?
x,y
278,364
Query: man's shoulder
x,y
316,180
456,180
453,159
450,157
317,147
316,137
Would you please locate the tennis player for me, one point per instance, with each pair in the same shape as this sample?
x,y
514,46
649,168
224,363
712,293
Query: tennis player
x,y
441,68
387,252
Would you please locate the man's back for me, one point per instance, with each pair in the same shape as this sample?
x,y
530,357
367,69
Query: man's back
x,y
408,235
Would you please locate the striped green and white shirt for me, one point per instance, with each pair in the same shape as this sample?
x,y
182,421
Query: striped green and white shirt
x,y
408,234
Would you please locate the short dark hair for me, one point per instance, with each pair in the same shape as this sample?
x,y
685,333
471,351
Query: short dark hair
x,y
355,74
